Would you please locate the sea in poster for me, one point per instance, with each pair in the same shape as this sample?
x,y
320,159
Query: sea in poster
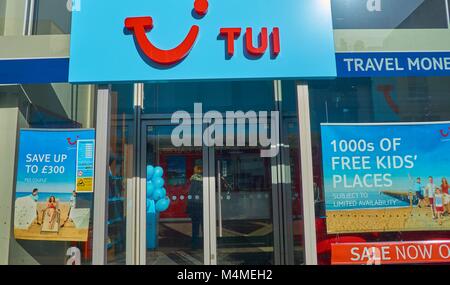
x,y
386,177
47,202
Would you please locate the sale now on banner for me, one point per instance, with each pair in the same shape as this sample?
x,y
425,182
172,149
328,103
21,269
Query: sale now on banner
x,y
386,177
390,253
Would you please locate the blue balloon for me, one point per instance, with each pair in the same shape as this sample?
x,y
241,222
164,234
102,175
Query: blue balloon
x,y
158,172
158,194
158,182
150,189
150,172
150,206
163,204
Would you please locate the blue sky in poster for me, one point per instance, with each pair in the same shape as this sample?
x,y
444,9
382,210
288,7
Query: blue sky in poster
x,y
426,147
40,154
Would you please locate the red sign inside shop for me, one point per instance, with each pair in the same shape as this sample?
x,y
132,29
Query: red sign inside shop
x,y
414,252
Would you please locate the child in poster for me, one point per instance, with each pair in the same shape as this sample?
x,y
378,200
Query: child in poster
x,y
430,192
439,205
418,189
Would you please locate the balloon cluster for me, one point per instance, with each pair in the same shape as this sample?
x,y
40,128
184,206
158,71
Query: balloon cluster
x,y
155,191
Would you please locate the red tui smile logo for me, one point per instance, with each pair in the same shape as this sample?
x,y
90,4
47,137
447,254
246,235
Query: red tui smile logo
x,y
444,133
74,142
139,26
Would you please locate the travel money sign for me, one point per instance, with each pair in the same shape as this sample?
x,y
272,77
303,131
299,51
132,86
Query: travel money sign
x,y
141,40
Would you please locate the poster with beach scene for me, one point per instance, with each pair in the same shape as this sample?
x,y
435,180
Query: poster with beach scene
x,y
386,177
47,204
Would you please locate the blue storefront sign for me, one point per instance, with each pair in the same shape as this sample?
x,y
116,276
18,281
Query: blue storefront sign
x,y
34,70
140,40
389,64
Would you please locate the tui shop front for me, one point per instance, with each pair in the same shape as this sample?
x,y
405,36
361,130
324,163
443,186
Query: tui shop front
x,y
235,133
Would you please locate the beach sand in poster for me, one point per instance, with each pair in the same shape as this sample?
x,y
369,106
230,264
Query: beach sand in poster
x,y
386,220
69,232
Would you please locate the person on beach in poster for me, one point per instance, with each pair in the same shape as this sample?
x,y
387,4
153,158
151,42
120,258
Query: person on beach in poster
x,y
46,184
386,177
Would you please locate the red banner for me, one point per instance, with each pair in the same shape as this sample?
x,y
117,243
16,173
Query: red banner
x,y
390,253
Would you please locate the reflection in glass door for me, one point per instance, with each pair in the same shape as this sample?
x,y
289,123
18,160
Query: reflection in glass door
x,y
244,220
228,205
221,203
174,236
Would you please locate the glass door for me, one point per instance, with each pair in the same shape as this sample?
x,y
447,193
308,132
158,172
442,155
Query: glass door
x,y
244,215
221,208
174,235
243,193
227,204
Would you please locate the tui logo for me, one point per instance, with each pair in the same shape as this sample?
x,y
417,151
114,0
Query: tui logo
x,y
139,26
445,133
70,142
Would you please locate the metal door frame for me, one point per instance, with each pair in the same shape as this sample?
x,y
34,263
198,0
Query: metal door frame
x,y
209,198
135,245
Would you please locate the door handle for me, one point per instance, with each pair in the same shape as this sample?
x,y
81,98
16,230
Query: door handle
x,y
219,197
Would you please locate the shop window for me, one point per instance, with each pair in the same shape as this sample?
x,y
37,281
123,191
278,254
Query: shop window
x,y
363,101
219,96
39,117
120,170
51,17
50,108
293,185
2,16
12,17
389,14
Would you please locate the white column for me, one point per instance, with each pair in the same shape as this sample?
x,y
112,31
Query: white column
x,y
309,217
101,184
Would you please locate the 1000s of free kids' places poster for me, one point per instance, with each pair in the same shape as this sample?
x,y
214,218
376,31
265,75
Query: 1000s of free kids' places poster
x,y
386,177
